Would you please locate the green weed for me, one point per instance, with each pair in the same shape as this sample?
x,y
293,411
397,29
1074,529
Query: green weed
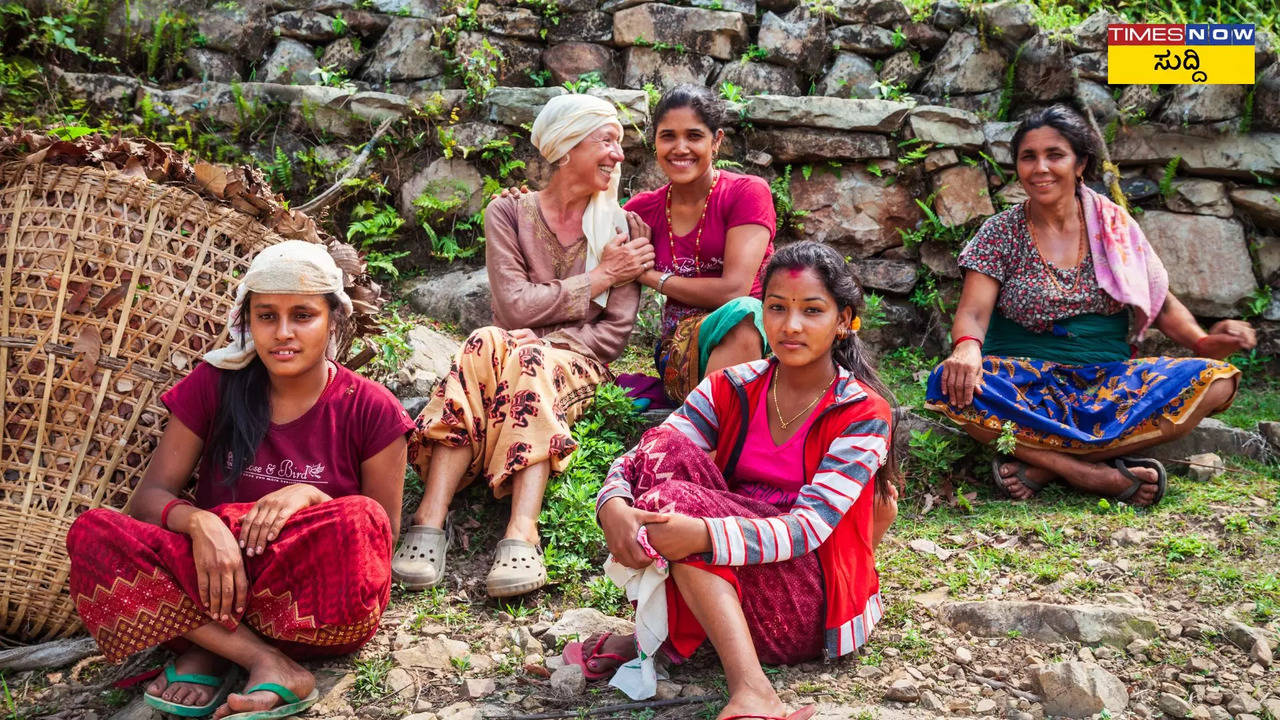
x,y
371,677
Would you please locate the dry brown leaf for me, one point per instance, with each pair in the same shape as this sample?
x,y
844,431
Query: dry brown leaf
x,y
212,178
133,168
113,296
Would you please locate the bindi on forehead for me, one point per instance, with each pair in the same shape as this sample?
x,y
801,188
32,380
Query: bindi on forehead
x,y
795,272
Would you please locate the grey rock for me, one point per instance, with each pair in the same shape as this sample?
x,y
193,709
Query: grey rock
x,y
414,405
1079,690
401,683
963,67
431,355
924,36
880,116
1098,99
1139,101
517,106
789,145
1043,71
1212,435
434,653
961,194
1270,431
946,126
949,15
515,22
305,26
1237,156
1174,706
567,61
1129,537
904,690
1091,66
709,32
409,8
233,29
460,297
876,12
793,40
940,259
444,179
901,69
895,276
1202,197
930,702
1241,703
207,64
1259,204
1088,624
1205,466
850,76
477,688
855,212
999,137
568,681
1266,100
1207,259
759,78
1252,640
1203,103
343,54
985,706
746,7
864,39
665,69
578,623
1010,20
1092,33
100,91
519,58
291,62
592,26
405,52
985,105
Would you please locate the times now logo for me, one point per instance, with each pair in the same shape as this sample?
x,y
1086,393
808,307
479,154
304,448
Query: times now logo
x,y
1169,34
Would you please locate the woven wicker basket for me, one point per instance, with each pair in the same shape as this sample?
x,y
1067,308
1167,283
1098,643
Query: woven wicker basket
x,y
113,287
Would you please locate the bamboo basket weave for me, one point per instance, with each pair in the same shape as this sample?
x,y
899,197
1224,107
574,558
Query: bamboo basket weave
x,y
113,287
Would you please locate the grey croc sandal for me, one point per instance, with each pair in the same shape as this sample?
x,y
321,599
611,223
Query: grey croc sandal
x,y
419,562
517,569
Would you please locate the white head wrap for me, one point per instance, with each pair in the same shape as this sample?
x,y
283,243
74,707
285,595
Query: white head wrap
x,y
563,123
292,267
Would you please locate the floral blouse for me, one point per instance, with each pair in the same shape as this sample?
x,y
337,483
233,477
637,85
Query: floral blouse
x,y
1003,249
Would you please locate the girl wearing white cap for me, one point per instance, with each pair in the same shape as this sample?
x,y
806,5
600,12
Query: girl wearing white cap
x,y
286,552
562,264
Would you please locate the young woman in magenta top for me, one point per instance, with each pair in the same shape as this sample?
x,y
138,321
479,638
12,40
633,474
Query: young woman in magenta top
x,y
712,235
771,487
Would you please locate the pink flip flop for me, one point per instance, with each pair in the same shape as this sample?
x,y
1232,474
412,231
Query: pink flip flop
x,y
803,713
573,654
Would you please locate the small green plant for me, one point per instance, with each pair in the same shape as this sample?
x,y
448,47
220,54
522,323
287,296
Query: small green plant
x,y
934,457
873,313
1238,524
1256,303
1166,179
479,71
754,53
783,205
279,171
390,344
659,46
1183,547
330,76
1007,442
914,150
654,95
605,596
730,92
585,82
1246,115
460,663
371,677
1006,89
339,25
540,78
892,91
899,38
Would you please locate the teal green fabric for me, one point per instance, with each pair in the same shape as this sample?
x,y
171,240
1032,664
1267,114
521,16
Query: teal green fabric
x,y
723,319
1080,340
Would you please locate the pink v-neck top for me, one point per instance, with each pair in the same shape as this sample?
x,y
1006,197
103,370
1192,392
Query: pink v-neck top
x,y
768,471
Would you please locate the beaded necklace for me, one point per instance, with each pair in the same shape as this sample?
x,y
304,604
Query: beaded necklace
x,y
702,218
1080,253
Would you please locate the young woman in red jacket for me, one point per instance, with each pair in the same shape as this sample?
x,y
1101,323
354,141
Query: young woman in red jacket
x,y
770,486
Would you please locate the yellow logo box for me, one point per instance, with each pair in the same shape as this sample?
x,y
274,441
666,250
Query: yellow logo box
x,y
1180,54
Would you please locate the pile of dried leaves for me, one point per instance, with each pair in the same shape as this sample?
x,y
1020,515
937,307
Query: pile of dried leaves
x,y
243,188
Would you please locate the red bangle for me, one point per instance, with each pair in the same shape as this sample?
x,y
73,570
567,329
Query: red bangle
x,y
1195,346
164,514
962,338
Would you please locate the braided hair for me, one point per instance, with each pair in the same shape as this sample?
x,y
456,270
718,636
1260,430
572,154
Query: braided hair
x,y
848,352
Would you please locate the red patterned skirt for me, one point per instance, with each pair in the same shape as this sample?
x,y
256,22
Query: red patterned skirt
x,y
784,603
318,590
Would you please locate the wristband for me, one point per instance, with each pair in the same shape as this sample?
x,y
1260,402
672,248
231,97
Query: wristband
x,y
1195,346
164,514
663,280
962,338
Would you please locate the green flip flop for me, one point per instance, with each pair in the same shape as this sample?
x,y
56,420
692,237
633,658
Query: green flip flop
x,y
293,704
171,674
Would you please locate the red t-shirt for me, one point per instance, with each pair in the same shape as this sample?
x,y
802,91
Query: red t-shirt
x,y
736,200
353,420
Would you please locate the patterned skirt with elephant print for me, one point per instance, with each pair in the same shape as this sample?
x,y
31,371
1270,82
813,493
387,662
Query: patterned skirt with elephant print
x,y
513,406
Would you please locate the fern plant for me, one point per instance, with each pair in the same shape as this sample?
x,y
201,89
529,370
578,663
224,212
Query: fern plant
x,y
1166,180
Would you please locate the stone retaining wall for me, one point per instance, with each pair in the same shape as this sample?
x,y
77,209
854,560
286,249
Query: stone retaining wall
x,y
870,111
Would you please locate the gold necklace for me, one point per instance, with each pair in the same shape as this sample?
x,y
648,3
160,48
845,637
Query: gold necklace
x,y
702,217
1049,268
777,410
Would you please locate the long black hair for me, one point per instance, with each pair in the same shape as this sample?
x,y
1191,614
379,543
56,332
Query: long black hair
x,y
848,352
698,98
1084,142
244,403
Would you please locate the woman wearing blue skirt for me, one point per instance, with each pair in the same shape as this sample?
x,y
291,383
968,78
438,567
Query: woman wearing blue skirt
x,y
1054,289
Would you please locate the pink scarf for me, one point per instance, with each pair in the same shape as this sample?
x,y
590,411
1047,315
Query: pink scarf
x,y
1128,269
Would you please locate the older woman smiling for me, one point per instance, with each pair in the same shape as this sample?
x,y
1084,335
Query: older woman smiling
x,y
562,264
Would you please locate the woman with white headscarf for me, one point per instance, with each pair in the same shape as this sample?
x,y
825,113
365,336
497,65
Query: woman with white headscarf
x,y
561,265
286,552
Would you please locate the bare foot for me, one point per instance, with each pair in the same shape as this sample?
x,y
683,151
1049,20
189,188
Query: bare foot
x,y
196,661
754,704
621,645
1009,471
271,667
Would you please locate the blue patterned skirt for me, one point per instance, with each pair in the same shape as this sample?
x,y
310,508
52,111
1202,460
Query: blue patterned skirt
x,y
1083,408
